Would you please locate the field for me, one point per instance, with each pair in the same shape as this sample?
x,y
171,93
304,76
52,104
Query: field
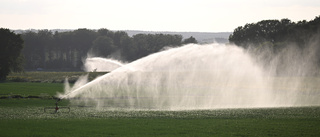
x,y
51,77
25,116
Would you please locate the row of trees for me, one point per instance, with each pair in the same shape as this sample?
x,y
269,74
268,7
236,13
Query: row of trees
x,y
65,50
282,46
276,33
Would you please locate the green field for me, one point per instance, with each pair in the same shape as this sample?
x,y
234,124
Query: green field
x,y
26,117
26,88
50,77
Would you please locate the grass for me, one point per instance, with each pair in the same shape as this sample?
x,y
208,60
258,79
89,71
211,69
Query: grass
x,y
51,77
32,121
29,103
26,117
28,88
160,127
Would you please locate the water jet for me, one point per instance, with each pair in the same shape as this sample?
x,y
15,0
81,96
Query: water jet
x,y
190,77
101,64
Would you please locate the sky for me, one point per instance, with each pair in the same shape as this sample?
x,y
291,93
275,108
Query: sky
x,y
151,15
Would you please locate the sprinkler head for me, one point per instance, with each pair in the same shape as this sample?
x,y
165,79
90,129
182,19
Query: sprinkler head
x,y
57,108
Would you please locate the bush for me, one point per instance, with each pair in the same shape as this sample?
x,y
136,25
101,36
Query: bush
x,y
18,78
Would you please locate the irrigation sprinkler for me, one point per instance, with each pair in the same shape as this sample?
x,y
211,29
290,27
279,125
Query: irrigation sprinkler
x,y
57,108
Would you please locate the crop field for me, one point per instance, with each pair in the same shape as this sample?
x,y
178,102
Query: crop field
x,y
51,77
26,117
22,114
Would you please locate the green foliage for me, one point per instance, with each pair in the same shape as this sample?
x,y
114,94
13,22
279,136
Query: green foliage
x,y
11,59
103,46
277,32
65,50
145,44
18,78
35,46
285,47
263,31
190,40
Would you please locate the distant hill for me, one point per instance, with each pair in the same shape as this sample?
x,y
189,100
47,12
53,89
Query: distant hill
x,y
201,37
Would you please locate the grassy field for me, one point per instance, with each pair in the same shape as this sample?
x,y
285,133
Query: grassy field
x,y
26,117
27,88
51,77
160,127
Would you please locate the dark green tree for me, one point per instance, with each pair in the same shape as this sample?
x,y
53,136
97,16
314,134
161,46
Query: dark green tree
x,y
190,40
103,46
36,45
260,32
11,58
65,50
279,39
276,32
144,44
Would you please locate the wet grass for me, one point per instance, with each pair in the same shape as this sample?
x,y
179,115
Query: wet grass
x,y
26,117
33,109
50,77
159,127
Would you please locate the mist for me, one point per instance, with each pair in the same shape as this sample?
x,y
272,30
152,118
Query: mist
x,y
207,76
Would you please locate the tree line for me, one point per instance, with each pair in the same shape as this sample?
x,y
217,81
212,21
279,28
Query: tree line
x,y
289,48
276,33
65,50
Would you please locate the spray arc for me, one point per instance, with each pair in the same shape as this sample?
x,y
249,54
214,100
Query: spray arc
x,y
188,77
90,64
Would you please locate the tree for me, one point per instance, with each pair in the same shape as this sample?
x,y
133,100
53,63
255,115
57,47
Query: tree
x,y
65,50
35,47
276,32
263,31
190,40
145,44
283,44
103,46
11,58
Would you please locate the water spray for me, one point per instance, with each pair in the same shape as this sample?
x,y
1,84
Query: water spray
x,y
192,77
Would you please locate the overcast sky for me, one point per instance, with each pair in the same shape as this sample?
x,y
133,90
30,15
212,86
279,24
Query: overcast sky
x,y
151,15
